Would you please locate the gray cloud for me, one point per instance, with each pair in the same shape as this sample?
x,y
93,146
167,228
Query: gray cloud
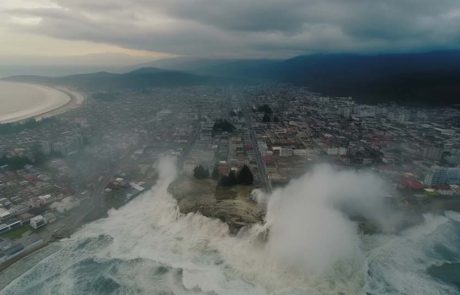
x,y
256,27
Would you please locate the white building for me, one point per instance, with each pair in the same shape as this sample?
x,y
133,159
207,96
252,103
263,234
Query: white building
x,y
4,214
286,152
37,221
300,152
45,199
332,151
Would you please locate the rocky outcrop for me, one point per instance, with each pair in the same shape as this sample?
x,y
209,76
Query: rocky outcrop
x,y
230,205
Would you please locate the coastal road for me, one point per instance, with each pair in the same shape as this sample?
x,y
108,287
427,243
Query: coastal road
x,y
260,163
181,159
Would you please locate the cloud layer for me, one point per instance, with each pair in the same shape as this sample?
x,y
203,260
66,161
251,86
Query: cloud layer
x,y
249,28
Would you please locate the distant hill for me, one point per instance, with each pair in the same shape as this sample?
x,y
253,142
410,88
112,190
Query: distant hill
x,y
420,78
230,68
431,78
253,69
185,64
139,78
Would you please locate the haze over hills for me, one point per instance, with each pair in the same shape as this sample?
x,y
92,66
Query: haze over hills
x,y
67,65
431,78
250,68
139,78
426,78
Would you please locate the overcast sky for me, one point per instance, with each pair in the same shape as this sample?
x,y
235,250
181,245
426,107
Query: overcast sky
x,y
152,29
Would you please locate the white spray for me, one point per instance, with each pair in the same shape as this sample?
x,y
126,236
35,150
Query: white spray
x,y
313,248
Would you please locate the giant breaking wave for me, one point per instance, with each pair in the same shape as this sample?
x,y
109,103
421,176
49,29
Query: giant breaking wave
x,y
148,247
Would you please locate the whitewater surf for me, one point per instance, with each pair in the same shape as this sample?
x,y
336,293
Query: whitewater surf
x,y
149,247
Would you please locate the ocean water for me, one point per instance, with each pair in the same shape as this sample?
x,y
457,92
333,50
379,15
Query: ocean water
x,y
20,101
148,247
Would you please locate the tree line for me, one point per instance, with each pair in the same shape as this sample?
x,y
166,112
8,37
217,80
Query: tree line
x,y
243,176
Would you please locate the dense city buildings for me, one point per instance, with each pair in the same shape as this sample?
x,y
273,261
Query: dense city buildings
x,y
103,153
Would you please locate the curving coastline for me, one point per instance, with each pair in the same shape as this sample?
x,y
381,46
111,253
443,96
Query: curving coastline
x,y
22,101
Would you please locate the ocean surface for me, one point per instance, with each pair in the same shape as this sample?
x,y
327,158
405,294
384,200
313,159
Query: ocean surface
x,y
19,101
148,247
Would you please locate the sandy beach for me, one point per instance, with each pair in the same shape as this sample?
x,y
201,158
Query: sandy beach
x,y
21,101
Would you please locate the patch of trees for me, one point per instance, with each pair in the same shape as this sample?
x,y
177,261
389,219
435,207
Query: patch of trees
x,y
222,125
37,158
229,180
200,172
215,173
6,128
266,118
15,163
234,113
265,108
243,177
268,112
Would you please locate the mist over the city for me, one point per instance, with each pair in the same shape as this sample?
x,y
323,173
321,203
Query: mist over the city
x,y
229,147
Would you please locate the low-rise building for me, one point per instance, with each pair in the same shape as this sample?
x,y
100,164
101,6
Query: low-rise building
x,y
38,221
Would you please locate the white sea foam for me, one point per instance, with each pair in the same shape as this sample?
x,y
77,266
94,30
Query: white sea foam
x,y
135,245
453,215
398,263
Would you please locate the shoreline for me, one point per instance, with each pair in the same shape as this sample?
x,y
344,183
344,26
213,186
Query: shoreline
x,y
95,210
98,210
74,100
65,230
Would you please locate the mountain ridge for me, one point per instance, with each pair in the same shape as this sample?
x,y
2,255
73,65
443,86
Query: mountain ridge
x,y
139,78
427,78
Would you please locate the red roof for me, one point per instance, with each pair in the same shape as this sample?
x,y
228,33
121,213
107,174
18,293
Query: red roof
x,y
411,183
268,159
223,169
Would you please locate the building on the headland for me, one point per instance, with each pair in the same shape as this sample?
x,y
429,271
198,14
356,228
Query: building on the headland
x,y
443,176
